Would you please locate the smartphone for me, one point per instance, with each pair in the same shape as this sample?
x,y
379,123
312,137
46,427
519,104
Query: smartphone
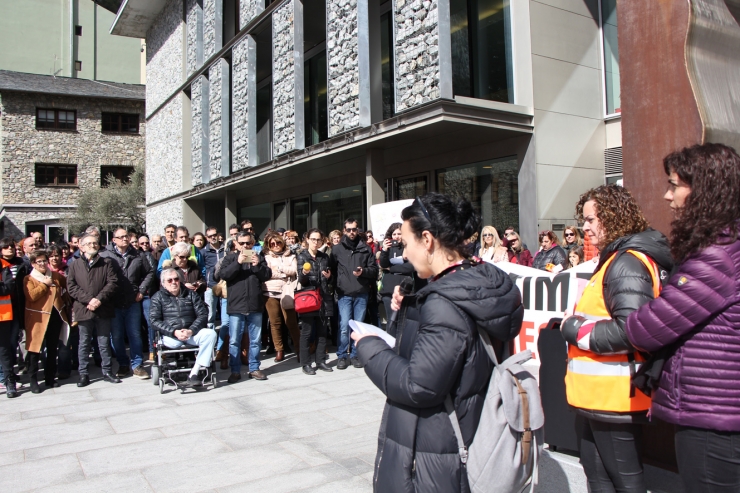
x,y
358,269
394,243
248,255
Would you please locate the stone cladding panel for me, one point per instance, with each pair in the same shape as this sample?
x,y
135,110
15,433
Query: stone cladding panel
x,y
14,222
417,52
195,35
248,10
215,73
196,131
164,55
212,27
88,147
283,77
344,70
240,94
158,216
164,152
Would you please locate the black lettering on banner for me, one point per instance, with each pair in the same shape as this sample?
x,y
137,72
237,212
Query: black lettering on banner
x,y
525,293
562,280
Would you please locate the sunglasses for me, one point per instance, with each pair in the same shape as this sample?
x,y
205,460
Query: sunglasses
x,y
181,257
245,243
143,243
213,236
567,235
170,281
351,230
487,234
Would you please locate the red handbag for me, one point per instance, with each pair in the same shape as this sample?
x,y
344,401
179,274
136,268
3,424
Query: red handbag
x,y
307,301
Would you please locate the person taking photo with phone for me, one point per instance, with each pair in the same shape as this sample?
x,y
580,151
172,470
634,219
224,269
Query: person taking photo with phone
x,y
395,267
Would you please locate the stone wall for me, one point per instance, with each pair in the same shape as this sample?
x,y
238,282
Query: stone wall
x,y
220,112
88,147
344,69
243,77
212,27
164,56
248,10
285,104
196,131
164,152
195,34
14,222
158,216
416,52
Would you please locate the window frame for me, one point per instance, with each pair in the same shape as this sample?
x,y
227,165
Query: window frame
x,y
106,170
56,120
119,115
56,183
602,44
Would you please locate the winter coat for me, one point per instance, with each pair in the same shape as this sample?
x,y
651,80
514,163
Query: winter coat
x,y
211,256
284,270
348,257
394,273
243,283
40,301
570,246
169,313
192,276
154,283
627,286
314,278
438,353
555,255
522,258
195,255
134,275
15,286
99,281
697,317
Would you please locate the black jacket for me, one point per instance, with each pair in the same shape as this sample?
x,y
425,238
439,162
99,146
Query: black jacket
x,y
394,273
211,256
316,279
244,283
627,286
348,258
169,313
99,280
154,283
134,275
438,353
555,255
13,286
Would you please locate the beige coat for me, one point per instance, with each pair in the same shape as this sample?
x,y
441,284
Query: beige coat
x,y
283,266
40,300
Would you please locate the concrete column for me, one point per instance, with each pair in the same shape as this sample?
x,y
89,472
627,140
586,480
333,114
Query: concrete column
x,y
229,210
374,179
528,198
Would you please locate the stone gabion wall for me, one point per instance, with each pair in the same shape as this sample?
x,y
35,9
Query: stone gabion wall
x,y
344,69
416,52
212,29
283,79
164,152
158,216
216,75
195,35
248,10
89,148
164,55
196,131
240,94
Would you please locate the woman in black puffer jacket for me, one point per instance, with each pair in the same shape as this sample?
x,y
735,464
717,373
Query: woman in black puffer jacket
x,y
552,257
438,351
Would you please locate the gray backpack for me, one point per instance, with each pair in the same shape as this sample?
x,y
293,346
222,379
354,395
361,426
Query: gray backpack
x,y
504,455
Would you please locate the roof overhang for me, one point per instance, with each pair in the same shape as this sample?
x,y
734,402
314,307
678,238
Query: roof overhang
x,y
135,17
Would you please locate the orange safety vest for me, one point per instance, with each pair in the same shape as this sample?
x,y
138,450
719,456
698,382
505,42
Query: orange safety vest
x,y
603,382
6,306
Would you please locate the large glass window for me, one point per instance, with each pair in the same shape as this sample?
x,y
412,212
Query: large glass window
x,y
611,56
331,208
410,188
258,214
386,65
315,103
481,49
491,186
300,215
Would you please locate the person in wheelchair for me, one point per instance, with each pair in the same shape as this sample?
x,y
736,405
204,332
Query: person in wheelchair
x,y
179,314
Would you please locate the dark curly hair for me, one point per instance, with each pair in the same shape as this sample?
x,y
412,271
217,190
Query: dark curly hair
x,y
617,212
712,171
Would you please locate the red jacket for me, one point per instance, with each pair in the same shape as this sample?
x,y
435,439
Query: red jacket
x,y
523,258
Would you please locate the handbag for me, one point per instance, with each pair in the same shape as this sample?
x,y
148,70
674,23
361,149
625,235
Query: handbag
x,y
219,289
308,301
286,298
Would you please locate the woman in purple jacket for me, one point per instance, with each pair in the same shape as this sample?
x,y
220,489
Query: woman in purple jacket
x,y
695,323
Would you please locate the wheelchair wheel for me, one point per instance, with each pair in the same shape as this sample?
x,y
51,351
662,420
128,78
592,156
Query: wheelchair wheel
x,y
155,374
214,380
161,385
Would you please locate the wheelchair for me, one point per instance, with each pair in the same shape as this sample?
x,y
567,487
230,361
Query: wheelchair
x,y
174,366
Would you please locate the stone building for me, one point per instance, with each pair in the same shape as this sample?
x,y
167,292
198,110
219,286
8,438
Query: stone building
x,y
300,113
59,135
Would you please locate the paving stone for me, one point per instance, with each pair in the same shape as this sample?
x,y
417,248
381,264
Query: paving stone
x,y
12,458
355,484
78,446
53,434
132,482
294,480
305,453
30,475
250,435
30,423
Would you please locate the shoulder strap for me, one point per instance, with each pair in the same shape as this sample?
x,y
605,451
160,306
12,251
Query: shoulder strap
x,y
462,450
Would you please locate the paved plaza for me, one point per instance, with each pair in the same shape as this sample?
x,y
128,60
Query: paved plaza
x,y
291,433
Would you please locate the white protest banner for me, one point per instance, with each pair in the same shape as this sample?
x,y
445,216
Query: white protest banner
x,y
545,295
383,215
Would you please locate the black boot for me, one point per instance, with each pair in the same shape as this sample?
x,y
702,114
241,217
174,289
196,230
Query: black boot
x,y
33,371
10,389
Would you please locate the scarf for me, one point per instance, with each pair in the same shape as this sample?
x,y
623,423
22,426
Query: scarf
x,y
39,276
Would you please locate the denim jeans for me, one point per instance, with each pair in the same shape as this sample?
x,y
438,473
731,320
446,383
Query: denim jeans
x,y
253,321
127,321
205,339
214,310
146,303
350,308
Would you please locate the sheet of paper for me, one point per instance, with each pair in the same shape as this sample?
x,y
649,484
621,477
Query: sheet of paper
x,y
363,328
396,260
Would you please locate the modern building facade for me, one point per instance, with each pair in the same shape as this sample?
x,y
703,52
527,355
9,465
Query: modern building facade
x,y
59,135
68,38
300,113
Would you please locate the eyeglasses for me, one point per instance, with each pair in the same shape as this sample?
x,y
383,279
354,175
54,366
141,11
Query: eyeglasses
x,y
92,243
351,230
41,262
245,243
423,209
182,257
143,243
568,235
120,237
314,239
486,234
171,280
274,243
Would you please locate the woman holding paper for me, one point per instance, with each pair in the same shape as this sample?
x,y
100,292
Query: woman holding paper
x,y
633,260
47,317
438,352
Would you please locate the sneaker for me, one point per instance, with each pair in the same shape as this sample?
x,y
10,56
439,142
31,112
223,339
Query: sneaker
x,y
342,364
234,377
193,381
123,371
356,363
141,373
257,375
